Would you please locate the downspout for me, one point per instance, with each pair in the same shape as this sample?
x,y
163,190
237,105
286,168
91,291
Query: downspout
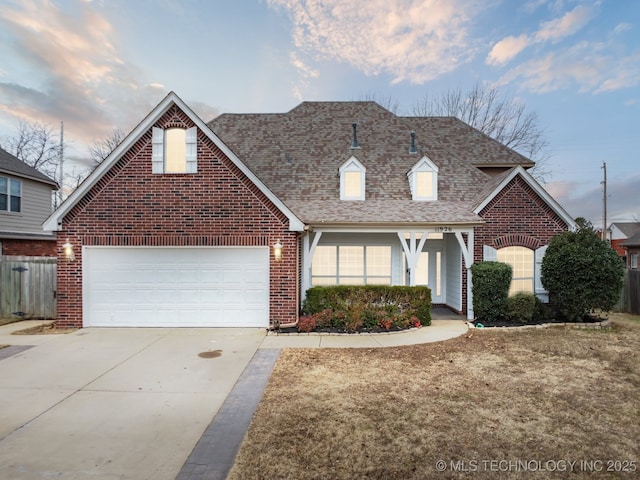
x,y
298,280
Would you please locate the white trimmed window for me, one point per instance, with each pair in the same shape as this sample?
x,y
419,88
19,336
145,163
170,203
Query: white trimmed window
x,y
423,180
351,265
521,260
634,261
526,265
352,180
175,150
10,195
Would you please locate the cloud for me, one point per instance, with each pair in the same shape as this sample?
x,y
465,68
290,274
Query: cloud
x,y
589,65
568,24
77,74
554,30
506,49
623,203
413,40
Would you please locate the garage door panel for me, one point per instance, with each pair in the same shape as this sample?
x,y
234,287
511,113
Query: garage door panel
x,y
141,286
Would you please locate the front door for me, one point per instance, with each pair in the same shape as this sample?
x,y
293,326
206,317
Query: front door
x,y
429,272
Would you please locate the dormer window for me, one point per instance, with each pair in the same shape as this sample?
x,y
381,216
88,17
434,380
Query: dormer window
x,y
175,150
352,180
423,180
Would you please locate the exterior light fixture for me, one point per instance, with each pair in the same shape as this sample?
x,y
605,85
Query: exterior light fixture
x,y
67,249
277,251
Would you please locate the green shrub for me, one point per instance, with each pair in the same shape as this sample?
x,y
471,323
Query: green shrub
x,y
353,307
490,289
522,307
582,273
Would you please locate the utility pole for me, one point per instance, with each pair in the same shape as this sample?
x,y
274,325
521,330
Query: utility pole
x,y
61,191
604,203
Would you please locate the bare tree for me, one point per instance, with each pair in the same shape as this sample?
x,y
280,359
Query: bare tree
x,y
386,101
37,145
102,148
497,115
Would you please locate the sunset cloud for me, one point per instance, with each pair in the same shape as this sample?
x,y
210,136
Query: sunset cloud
x,y
413,41
506,49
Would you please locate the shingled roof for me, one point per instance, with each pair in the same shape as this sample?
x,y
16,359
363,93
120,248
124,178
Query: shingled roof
x,y
13,165
298,154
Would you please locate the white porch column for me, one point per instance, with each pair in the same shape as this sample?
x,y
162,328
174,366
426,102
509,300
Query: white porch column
x,y
412,252
308,249
467,254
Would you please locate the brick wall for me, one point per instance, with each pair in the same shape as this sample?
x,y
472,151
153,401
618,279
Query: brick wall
x,y
216,206
30,248
517,216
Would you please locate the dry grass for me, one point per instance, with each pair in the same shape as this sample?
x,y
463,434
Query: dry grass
x,y
44,329
547,394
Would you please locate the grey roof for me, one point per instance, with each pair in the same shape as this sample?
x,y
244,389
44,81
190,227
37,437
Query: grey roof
x,y
628,228
298,154
633,241
13,165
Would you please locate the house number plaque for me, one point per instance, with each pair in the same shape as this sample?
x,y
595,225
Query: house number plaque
x,y
443,229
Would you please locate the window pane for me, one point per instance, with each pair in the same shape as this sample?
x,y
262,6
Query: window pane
x,y
351,261
15,187
175,150
424,184
352,184
15,204
3,185
3,201
378,262
324,261
323,281
521,260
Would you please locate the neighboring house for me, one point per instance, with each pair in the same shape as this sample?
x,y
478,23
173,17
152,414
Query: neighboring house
x,y
632,250
25,203
619,232
228,224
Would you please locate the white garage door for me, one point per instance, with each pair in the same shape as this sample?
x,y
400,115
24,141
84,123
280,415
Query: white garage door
x,y
175,287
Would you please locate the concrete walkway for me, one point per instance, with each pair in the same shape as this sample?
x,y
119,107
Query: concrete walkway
x,y
138,403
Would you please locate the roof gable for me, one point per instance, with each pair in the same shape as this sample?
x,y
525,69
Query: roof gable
x,y
54,221
502,181
12,165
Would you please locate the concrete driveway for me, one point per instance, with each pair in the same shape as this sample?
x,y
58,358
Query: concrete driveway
x,y
113,403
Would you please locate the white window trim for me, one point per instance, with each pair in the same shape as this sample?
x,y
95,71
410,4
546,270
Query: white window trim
x,y
423,165
341,279
10,195
352,165
157,156
490,254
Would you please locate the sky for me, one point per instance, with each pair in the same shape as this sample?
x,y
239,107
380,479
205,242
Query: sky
x,y
104,64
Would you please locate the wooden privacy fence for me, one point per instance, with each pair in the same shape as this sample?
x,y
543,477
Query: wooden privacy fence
x,y
28,287
630,297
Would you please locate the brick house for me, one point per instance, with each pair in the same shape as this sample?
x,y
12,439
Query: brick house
x,y
632,251
619,233
25,202
229,223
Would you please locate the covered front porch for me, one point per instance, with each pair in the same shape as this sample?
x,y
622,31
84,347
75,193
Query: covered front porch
x,y
436,256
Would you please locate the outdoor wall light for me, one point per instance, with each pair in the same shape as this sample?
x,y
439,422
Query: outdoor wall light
x,y
277,251
67,249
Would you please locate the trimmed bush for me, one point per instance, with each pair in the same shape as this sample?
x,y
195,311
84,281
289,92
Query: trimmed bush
x,y
582,273
369,306
522,307
490,289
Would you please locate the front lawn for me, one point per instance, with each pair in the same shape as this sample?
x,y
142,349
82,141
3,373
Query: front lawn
x,y
534,403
